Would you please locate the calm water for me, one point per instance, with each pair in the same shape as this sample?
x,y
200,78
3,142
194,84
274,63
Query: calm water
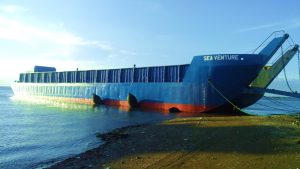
x,y
33,135
275,106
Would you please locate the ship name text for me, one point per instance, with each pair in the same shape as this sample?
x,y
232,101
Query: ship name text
x,y
221,57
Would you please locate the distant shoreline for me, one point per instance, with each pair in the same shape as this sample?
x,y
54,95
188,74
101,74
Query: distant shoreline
x,y
240,141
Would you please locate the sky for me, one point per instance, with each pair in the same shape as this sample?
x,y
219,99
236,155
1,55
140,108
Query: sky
x,y
96,34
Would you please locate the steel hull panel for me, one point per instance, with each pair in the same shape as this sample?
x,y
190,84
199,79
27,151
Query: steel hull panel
x,y
193,94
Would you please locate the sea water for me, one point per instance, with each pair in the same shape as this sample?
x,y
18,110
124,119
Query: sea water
x,y
34,134
273,105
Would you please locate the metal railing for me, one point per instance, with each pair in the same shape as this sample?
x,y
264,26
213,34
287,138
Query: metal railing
x,y
275,34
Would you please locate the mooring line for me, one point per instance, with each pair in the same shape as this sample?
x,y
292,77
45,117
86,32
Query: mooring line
x,y
224,97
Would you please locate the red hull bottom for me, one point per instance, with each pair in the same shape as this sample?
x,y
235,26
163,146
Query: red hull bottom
x,y
123,104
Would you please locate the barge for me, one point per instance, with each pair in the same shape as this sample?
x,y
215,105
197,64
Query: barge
x,y
209,83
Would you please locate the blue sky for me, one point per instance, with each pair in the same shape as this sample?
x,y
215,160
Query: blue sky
x,y
119,33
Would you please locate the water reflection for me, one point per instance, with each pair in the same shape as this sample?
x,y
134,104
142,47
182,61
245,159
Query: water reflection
x,y
34,130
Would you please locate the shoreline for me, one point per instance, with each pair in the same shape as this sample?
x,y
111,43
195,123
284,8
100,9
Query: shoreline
x,y
193,142
79,160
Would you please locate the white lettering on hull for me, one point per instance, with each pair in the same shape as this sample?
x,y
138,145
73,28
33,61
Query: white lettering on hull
x,y
221,57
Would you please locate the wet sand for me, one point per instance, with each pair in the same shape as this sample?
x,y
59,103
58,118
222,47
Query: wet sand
x,y
199,142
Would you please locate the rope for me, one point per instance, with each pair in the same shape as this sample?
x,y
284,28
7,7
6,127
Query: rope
x,y
278,103
224,97
284,71
299,63
291,39
278,57
275,108
287,107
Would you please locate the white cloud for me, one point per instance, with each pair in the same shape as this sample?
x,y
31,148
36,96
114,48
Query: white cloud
x,y
13,9
293,25
31,41
46,41
127,52
112,55
290,24
101,45
29,34
63,51
260,27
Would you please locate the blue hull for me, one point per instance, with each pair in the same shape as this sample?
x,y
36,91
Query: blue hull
x,y
210,82
230,75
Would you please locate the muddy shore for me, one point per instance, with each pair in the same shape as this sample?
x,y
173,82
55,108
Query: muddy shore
x,y
198,142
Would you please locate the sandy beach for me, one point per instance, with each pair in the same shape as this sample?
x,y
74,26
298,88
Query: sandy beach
x,y
198,142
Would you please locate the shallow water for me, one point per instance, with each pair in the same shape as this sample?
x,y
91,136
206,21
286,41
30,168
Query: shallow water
x,y
33,134
275,106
